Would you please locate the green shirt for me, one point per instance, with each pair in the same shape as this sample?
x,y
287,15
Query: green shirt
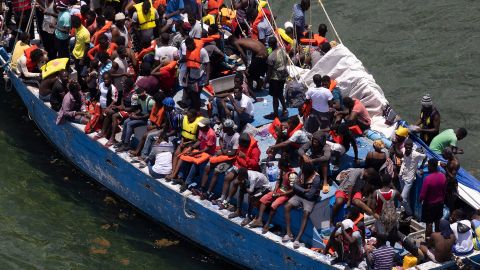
x,y
443,140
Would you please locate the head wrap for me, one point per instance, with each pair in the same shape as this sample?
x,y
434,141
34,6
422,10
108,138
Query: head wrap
x,y
402,131
427,101
169,102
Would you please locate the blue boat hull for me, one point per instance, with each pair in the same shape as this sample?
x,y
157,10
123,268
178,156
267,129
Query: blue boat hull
x,y
185,216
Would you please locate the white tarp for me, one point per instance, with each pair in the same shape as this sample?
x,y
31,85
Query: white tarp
x,y
354,81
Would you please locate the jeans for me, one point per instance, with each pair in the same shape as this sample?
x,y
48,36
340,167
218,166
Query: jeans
x,y
152,173
406,186
147,147
194,169
128,127
62,47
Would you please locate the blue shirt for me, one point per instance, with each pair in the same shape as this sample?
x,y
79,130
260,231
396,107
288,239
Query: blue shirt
x,y
337,96
174,5
63,22
298,16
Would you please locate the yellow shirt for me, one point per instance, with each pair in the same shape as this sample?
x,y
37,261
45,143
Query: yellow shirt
x,y
82,37
19,50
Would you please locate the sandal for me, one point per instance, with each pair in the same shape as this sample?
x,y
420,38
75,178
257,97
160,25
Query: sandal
x,y
326,189
108,144
287,238
265,229
97,137
256,224
296,244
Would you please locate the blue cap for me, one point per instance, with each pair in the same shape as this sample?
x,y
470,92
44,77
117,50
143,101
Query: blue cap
x,y
169,102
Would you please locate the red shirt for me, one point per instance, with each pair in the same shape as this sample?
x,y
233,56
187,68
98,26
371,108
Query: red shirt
x,y
207,139
434,188
167,77
362,112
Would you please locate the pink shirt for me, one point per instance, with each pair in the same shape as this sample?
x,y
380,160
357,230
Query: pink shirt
x,y
207,139
434,188
362,112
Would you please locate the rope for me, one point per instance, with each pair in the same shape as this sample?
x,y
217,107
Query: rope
x,y
184,208
30,20
279,41
330,21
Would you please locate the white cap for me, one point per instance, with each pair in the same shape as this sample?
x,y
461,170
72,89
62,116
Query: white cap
x,y
288,25
347,224
119,16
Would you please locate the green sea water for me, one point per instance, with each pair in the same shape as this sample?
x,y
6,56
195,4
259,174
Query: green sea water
x,y
53,217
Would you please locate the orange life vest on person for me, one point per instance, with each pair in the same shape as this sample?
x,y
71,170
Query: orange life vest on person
x,y
157,3
333,84
298,127
335,137
156,115
253,142
31,66
316,40
147,50
213,6
193,58
104,29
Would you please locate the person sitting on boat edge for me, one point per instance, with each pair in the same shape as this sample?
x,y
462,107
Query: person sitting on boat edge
x,y
22,44
136,119
306,192
353,183
155,123
282,192
429,120
222,161
58,91
248,157
195,157
341,138
290,137
28,65
346,241
72,104
171,126
160,158
355,114
447,138
255,184
189,134
317,152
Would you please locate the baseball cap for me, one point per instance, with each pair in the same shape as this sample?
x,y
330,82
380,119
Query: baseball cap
x,y
204,122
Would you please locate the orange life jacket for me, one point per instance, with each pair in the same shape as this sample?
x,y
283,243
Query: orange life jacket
x,y
253,143
258,20
316,40
335,137
298,127
333,84
307,108
213,6
356,130
195,159
157,3
210,38
221,158
31,66
104,29
156,115
193,58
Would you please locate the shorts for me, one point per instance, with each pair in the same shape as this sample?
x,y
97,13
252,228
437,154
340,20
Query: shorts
x,y
222,167
344,195
233,169
257,68
267,199
318,120
297,201
275,88
432,212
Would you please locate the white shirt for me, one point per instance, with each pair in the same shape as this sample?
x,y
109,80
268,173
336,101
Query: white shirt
x,y
245,102
196,31
163,163
410,165
166,51
229,142
463,241
104,93
320,97
257,180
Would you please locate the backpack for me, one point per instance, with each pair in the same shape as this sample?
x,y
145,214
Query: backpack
x,y
388,215
295,94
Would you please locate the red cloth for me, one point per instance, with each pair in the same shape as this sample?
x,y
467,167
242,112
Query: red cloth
x,y
167,77
252,157
207,139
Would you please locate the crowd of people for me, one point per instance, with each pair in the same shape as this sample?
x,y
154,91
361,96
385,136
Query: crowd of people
x,y
130,58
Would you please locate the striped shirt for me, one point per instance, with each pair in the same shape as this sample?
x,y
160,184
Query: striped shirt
x,y
21,5
382,258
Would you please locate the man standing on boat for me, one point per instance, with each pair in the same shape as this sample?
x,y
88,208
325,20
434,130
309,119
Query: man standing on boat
x,y
429,121
298,14
277,74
